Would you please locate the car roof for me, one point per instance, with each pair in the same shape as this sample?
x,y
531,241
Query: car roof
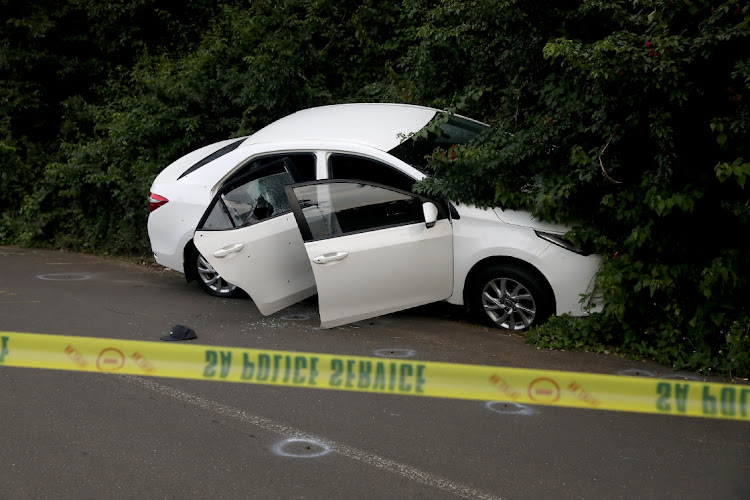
x,y
381,126
374,125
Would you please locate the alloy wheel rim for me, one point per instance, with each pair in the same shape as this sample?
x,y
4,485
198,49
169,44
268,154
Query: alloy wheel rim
x,y
509,304
212,279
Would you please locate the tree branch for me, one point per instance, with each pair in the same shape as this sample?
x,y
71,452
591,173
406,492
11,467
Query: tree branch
x,y
604,171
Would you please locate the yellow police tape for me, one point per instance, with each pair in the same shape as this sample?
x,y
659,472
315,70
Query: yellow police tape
x,y
376,375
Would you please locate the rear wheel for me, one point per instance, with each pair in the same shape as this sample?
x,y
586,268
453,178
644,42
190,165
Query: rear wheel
x,y
510,298
209,279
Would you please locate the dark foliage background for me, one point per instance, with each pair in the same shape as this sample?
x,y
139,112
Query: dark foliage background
x,y
629,117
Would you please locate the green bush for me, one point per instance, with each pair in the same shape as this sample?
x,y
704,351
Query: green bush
x,y
633,125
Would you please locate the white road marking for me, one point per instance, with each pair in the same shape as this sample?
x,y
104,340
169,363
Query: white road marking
x,y
395,353
63,277
376,461
314,449
509,408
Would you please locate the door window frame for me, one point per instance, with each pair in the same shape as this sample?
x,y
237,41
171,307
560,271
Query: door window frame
x,y
253,174
443,212
360,157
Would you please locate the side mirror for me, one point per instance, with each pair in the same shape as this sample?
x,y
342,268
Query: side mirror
x,y
430,213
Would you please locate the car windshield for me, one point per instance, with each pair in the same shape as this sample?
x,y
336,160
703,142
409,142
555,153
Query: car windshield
x,y
443,131
216,154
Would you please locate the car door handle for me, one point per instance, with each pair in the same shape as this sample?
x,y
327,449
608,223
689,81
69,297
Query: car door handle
x,y
230,249
330,257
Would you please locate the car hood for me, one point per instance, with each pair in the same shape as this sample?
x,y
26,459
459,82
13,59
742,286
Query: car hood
x,y
524,218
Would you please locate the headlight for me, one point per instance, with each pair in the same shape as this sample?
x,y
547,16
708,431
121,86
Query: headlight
x,y
562,242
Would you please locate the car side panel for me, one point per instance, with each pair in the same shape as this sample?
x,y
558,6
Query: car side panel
x,y
479,234
171,226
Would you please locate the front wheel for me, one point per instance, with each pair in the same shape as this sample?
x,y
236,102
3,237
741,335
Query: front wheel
x,y
510,298
209,279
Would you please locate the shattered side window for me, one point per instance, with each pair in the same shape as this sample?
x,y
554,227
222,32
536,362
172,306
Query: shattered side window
x,y
218,218
258,199
252,198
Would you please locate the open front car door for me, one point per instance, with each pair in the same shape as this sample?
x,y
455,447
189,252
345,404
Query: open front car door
x,y
373,249
249,235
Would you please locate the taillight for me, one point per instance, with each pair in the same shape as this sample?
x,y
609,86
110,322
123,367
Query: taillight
x,y
155,201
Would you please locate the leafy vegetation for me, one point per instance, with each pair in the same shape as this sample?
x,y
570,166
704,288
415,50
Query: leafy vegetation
x,y
628,119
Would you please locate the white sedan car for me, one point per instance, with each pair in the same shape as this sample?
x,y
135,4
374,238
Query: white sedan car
x,y
320,202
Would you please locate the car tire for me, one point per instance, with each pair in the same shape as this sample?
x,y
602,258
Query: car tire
x,y
510,298
209,279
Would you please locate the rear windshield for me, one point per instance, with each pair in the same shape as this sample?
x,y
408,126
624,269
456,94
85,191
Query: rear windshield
x,y
454,130
216,154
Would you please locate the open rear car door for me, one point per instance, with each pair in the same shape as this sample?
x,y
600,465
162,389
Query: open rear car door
x,y
250,236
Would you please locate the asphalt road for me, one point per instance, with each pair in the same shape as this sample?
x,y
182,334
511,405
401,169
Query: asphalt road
x,y
78,435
